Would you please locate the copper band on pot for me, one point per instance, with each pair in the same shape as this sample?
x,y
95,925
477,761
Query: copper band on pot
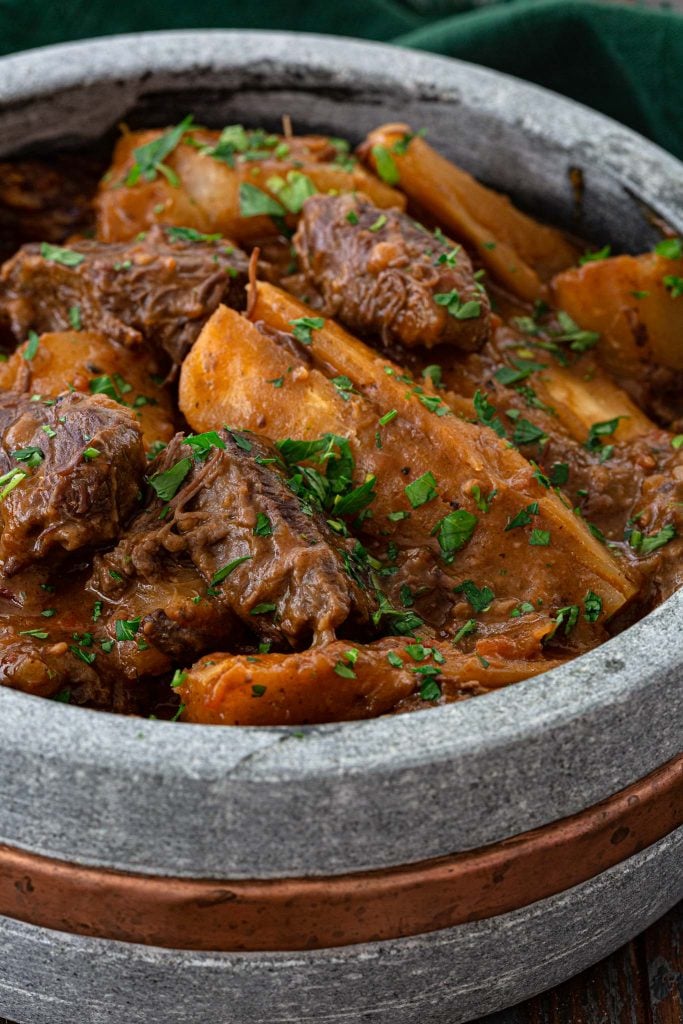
x,y
316,913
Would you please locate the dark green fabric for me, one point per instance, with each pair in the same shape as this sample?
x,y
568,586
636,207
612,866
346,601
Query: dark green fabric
x,y
625,61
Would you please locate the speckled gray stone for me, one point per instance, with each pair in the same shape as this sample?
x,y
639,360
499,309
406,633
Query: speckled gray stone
x,y
198,801
443,978
184,800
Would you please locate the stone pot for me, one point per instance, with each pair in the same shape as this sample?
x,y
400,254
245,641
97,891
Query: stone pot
x,y
429,867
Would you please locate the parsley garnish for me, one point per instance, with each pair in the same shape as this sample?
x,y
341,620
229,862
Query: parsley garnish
x,y
292,191
592,607
58,254
479,599
304,325
593,257
673,284
75,317
264,527
471,626
149,158
385,165
566,618
379,223
127,628
223,573
254,202
167,484
646,545
486,413
190,235
454,531
31,346
670,248
422,490
263,609
456,307
483,501
523,517
32,456
540,538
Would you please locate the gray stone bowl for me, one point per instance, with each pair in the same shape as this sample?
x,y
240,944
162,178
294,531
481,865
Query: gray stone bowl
x,y
184,801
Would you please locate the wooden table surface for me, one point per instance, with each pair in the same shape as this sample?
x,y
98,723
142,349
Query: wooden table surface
x,y
642,983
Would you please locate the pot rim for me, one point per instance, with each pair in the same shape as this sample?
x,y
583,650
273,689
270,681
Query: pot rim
x,y
561,716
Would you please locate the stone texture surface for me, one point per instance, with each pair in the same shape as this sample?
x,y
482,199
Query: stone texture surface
x,y
444,978
197,801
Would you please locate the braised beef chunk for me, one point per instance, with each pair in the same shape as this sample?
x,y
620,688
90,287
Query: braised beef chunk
x,y
223,514
160,288
46,201
383,275
71,474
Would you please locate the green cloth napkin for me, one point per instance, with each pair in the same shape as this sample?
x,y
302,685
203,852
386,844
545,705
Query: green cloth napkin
x,y
624,61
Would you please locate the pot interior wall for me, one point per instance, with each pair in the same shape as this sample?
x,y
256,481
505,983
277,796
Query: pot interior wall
x,y
567,186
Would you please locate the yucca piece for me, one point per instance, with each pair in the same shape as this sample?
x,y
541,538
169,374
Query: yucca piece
x,y
87,361
427,462
518,251
339,682
635,302
207,182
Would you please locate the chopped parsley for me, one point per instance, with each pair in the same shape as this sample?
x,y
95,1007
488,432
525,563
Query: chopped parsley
x,y
190,235
292,191
670,248
345,671
167,484
58,254
593,257
344,386
486,413
394,660
422,490
598,430
264,527
148,159
471,626
456,307
559,474
203,444
31,346
673,284
254,202
385,165
91,453
523,517
258,689
179,678
454,531
483,501
389,416
223,573
539,538
32,456
592,607
37,634
379,223
304,326
263,609
75,317
566,618
479,598
645,545
127,628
